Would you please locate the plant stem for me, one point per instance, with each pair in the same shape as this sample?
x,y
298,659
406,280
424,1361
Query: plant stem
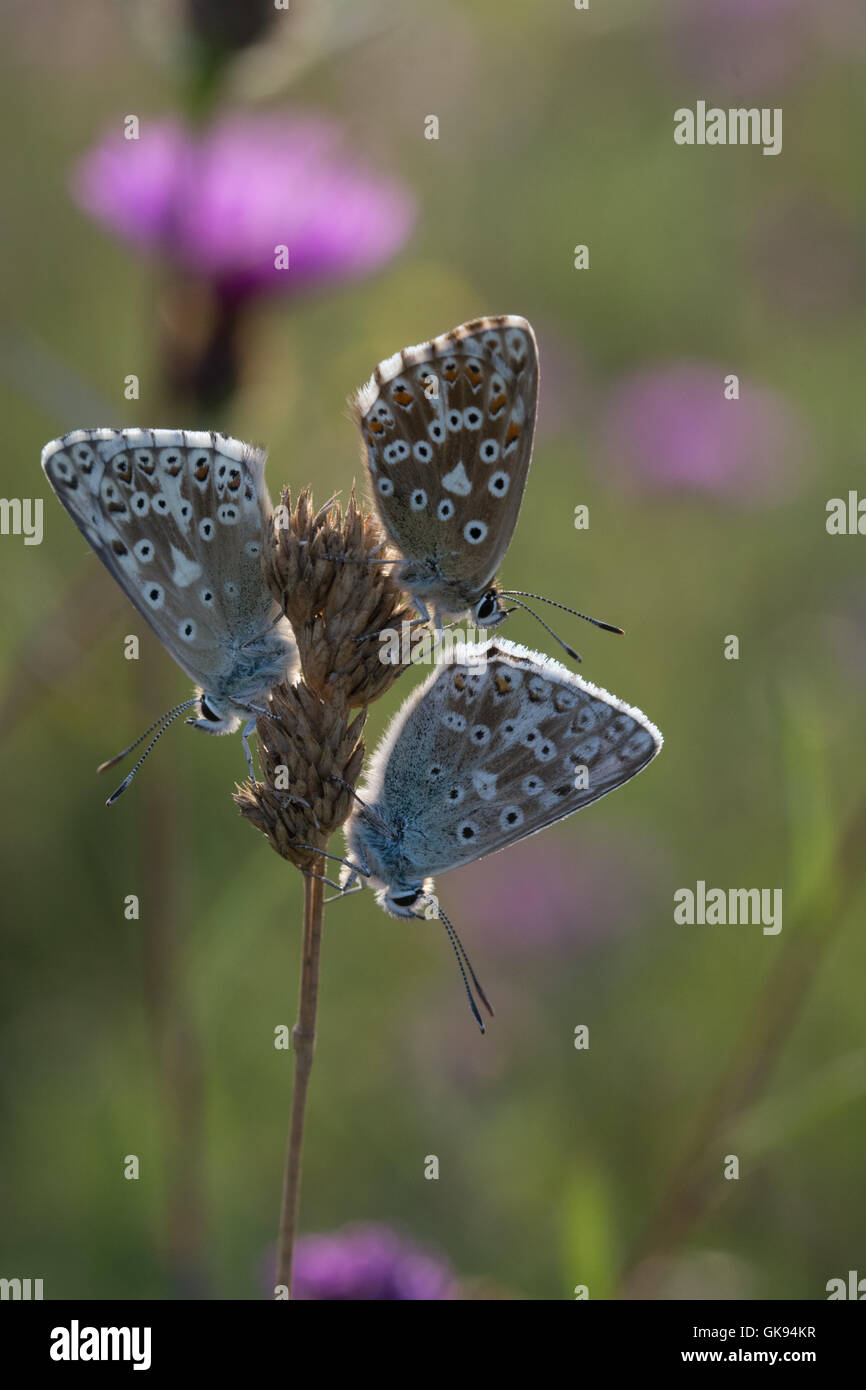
x,y
304,1044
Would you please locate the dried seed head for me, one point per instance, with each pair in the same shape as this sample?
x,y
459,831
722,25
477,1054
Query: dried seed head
x,y
321,567
308,749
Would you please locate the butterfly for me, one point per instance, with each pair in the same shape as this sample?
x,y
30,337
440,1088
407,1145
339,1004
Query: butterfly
x,y
448,428
177,517
497,744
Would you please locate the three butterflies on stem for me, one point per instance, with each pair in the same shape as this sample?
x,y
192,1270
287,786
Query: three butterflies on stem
x,y
499,742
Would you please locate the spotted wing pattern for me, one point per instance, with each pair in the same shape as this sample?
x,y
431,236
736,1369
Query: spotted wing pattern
x,y
448,428
499,743
177,517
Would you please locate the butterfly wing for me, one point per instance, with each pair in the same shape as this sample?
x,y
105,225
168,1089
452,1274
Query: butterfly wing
x,y
448,428
176,516
490,750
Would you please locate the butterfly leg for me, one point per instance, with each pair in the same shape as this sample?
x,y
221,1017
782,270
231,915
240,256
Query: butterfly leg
x,y
247,730
356,886
332,883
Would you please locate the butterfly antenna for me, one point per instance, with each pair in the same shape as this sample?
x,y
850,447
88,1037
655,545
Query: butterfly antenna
x,y
555,635
169,719
169,714
596,622
462,957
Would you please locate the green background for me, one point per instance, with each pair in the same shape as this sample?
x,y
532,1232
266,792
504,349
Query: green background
x,y
154,1037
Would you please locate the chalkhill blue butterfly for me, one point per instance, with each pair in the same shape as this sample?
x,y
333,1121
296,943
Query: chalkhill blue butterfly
x,y
448,429
177,517
498,743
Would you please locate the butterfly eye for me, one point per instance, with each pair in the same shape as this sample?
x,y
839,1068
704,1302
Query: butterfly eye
x,y
207,712
406,899
486,608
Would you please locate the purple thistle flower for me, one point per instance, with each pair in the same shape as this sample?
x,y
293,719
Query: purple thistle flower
x,y
671,427
369,1262
217,204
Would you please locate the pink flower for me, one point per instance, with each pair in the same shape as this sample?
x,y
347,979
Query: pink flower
x,y
671,426
219,204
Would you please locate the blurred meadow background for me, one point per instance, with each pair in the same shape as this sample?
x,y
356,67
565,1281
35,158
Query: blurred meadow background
x,y
155,1037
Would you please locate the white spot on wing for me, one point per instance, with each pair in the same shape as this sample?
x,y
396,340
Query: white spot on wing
x,y
186,570
484,784
457,481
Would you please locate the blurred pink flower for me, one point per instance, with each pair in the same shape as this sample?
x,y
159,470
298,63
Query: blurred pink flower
x,y
544,895
368,1262
219,203
671,426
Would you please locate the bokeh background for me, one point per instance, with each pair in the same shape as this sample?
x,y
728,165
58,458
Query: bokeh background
x,y
154,1037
